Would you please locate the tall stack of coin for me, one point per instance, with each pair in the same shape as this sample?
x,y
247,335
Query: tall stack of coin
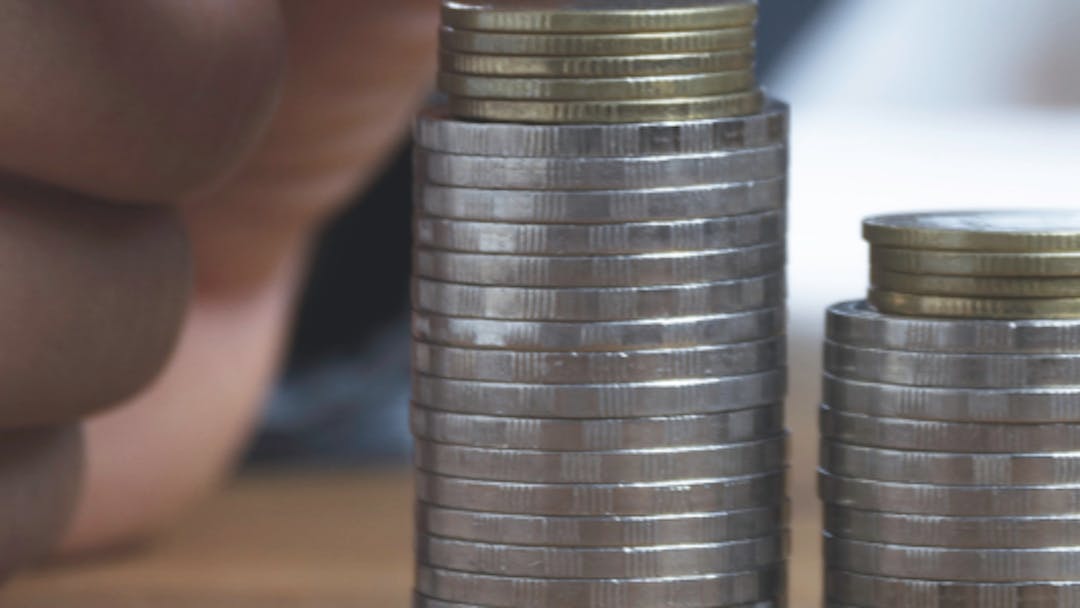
x,y
598,332
951,444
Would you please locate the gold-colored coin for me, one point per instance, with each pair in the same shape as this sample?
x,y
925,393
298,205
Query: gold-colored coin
x,y
596,67
621,111
991,287
584,89
976,263
495,43
892,302
591,16
1026,231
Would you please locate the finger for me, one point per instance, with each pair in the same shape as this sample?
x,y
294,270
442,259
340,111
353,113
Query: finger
x,y
91,301
142,101
39,484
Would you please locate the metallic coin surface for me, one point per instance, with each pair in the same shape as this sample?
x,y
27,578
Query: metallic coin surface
x,y
1019,406
600,531
631,400
594,89
950,468
436,130
601,239
972,263
639,270
931,499
561,434
957,532
578,368
421,601
601,173
598,304
613,466
976,287
941,563
858,324
578,16
612,66
866,590
937,436
686,496
606,206
674,332
690,592
621,111
594,44
985,231
988,308
601,562
950,369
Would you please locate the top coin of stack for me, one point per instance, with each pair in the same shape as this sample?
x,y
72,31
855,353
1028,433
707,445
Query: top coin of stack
x,y
578,61
995,265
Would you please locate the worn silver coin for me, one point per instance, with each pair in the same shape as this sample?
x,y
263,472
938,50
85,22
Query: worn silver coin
x,y
630,400
598,304
670,332
422,601
868,590
686,496
600,531
600,239
629,173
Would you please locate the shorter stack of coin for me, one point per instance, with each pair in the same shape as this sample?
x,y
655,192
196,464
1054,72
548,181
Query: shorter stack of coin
x,y
995,265
577,61
599,363
950,455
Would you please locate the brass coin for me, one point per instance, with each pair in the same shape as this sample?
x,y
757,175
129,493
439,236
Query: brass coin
x,y
621,111
1026,231
596,67
987,308
593,89
587,16
495,43
976,263
983,287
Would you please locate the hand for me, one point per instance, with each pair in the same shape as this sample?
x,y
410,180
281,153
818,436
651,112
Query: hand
x,y
166,165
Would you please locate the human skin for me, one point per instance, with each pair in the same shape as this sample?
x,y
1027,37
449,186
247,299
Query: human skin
x,y
164,169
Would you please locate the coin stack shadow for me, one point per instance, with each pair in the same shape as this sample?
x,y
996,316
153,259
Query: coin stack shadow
x,y
599,362
950,455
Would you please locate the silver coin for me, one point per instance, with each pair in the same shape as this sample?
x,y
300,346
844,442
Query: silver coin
x,y
671,332
614,466
688,592
601,239
951,370
858,324
942,563
956,532
600,531
598,304
601,562
1020,406
471,41
687,496
663,398
937,436
598,367
436,130
605,207
866,590
421,601
629,172
558,434
950,468
928,499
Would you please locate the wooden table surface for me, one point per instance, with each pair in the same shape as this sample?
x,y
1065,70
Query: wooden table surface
x,y
295,540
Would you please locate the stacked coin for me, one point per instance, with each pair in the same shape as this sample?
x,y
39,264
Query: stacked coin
x,y
950,457
608,61
998,265
599,344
